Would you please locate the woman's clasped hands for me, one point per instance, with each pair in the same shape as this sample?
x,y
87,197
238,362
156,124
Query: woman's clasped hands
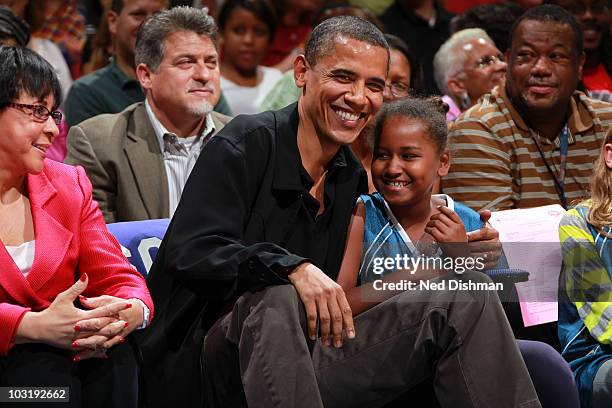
x,y
105,323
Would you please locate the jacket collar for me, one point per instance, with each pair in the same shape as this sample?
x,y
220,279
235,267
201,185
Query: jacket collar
x,y
52,243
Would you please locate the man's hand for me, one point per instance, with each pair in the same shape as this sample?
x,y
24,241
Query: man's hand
x,y
325,299
484,243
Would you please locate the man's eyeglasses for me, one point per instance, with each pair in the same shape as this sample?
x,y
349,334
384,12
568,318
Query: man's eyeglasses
x,y
579,9
399,89
488,60
39,112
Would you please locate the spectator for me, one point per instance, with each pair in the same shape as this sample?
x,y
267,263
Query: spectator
x,y
139,159
425,25
593,18
44,47
61,22
534,141
99,47
250,246
54,248
246,27
496,19
585,233
285,92
467,66
294,25
13,30
114,87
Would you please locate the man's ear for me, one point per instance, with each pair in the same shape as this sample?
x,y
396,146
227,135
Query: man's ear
x,y
300,68
456,86
445,162
112,18
143,73
607,155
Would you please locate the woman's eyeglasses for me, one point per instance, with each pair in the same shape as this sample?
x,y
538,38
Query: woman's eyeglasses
x,y
488,60
39,112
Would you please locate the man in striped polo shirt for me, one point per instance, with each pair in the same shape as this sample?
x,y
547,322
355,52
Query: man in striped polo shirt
x,y
533,141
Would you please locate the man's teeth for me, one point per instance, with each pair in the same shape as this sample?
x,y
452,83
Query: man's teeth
x,y
347,115
41,148
397,183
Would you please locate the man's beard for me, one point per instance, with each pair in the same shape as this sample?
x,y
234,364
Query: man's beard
x,y
201,109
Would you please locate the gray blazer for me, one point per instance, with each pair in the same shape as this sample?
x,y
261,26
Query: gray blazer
x,y
121,155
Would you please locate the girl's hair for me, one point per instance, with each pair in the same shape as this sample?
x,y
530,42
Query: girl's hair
x,y
429,111
600,215
24,71
263,10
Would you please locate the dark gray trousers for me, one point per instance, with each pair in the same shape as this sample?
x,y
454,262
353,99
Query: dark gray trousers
x,y
260,353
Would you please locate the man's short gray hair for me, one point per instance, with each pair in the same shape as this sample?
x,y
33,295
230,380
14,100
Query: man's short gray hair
x,y
151,35
322,40
450,58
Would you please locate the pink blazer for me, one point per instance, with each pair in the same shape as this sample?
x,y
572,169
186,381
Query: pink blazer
x,y
71,239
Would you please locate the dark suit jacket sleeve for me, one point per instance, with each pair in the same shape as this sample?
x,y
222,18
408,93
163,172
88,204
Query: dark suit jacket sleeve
x,y
205,246
81,152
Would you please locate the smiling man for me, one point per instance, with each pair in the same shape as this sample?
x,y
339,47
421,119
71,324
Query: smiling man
x,y
534,141
138,160
244,282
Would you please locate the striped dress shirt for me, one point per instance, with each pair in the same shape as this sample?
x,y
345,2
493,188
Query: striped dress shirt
x,y
496,163
180,154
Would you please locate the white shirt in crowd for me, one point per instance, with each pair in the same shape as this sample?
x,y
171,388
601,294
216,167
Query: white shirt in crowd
x,y
248,100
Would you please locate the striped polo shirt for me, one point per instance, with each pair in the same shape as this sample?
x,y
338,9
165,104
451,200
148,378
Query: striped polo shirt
x,y
496,163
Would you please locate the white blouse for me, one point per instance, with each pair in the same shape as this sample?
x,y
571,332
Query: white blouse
x,y
23,256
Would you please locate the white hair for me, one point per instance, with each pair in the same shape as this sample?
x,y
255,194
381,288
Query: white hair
x,y
450,58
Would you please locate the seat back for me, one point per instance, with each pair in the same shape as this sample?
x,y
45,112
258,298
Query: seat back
x,y
140,241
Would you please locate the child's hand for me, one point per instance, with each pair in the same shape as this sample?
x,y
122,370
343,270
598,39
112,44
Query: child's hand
x,y
448,230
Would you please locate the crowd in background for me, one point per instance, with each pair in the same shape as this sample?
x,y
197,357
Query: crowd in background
x,y
136,100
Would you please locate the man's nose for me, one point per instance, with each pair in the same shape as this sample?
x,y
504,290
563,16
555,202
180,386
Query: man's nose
x,y
356,97
542,66
201,72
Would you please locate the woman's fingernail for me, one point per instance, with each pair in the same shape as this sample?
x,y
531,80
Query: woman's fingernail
x,y
82,298
128,306
84,277
76,359
77,328
126,324
122,340
75,344
351,334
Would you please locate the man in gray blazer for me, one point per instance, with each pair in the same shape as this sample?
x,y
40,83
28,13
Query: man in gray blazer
x,y
138,160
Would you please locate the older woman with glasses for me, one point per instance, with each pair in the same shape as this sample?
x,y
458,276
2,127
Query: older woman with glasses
x,y
467,66
68,297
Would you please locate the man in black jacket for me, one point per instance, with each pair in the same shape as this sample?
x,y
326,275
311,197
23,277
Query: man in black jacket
x,y
245,276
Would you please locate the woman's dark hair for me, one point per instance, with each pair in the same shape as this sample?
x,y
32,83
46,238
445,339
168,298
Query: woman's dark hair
x,y
416,74
430,111
12,26
496,19
24,71
263,10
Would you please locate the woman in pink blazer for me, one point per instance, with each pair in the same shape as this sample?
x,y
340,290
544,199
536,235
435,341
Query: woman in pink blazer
x,y
68,297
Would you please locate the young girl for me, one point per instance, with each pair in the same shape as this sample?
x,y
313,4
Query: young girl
x,y
410,152
247,27
585,233
404,217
